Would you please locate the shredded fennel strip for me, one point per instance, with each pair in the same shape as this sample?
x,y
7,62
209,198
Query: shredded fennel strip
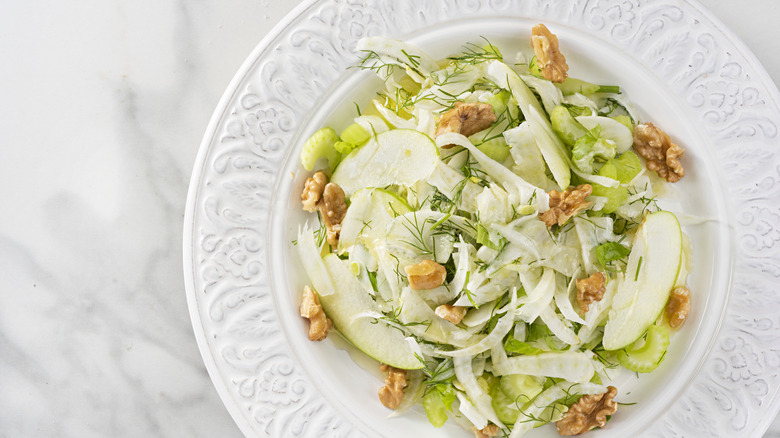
x,y
501,329
563,302
478,397
574,366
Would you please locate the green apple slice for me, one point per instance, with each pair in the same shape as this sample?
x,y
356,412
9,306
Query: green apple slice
x,y
370,213
398,156
347,306
651,273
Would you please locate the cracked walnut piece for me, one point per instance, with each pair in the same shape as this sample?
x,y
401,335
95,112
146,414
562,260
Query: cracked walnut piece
x,y
333,208
678,306
393,392
548,56
466,119
426,275
590,289
453,314
312,191
488,431
564,205
656,147
588,412
319,324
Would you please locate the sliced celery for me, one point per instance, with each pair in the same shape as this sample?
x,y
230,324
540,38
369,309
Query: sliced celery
x,y
566,126
533,67
590,147
647,357
505,407
355,135
497,149
343,147
614,89
520,387
570,86
434,406
320,145
499,101
626,121
627,167
491,49
616,196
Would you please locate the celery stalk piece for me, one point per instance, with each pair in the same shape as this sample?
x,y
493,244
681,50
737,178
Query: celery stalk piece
x,y
343,147
320,145
649,356
627,167
566,126
616,196
521,387
571,85
590,146
496,149
355,134
505,406
434,406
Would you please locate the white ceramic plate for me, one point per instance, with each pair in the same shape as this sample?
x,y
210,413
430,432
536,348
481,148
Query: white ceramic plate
x,y
683,70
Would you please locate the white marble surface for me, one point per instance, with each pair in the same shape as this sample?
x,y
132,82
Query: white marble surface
x,y
104,104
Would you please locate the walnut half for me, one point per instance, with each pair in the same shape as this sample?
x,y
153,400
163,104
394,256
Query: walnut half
x,y
333,209
488,431
319,324
565,204
426,275
392,392
312,190
590,289
658,150
466,119
548,56
678,306
588,412
453,314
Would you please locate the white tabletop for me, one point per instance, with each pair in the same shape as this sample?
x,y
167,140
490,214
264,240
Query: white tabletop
x,y
104,105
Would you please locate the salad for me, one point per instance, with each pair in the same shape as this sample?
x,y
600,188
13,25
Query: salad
x,y
487,229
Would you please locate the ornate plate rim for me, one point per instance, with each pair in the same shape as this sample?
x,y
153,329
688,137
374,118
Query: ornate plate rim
x,y
768,390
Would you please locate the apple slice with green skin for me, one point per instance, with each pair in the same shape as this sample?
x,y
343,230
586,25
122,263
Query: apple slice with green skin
x,y
398,156
651,273
346,307
370,213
